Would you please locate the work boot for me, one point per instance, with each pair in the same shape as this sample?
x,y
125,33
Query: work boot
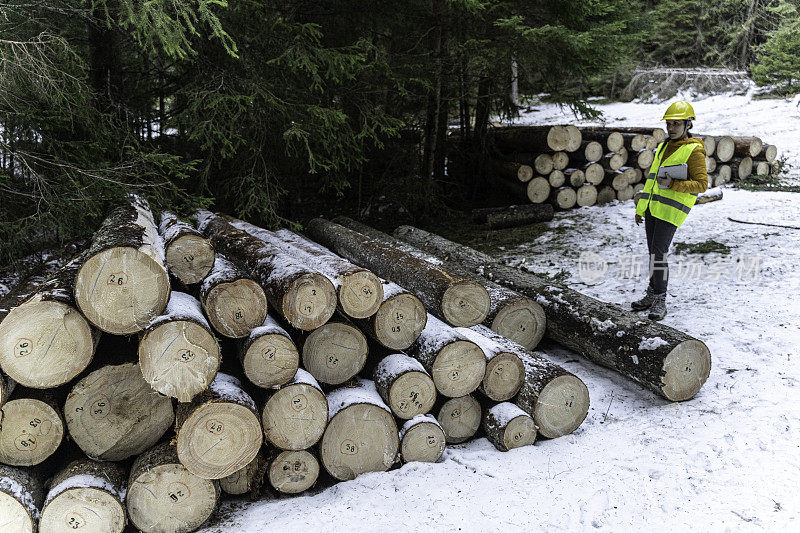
x,y
645,302
659,308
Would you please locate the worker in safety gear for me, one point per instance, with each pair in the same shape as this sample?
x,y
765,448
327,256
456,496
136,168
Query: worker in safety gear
x,y
667,199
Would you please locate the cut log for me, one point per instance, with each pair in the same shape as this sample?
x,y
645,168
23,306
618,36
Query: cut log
x,y
590,152
460,301
594,173
725,148
605,194
575,176
269,357
405,386
543,164
45,342
514,189
711,195
361,435
709,144
617,179
504,370
611,141
769,152
293,472
634,142
660,358
32,427
533,139
556,178
86,495
651,142
639,187
614,160
626,193
538,190
575,138
123,284
294,417
508,427
247,480
335,352
658,133
422,439
456,364
586,195
113,414
747,146
21,499
219,432
233,302
557,400
560,160
304,297
724,175
189,255
761,168
460,418
513,216
741,168
563,197
178,354
512,170
164,496
639,176
399,321
711,164
642,159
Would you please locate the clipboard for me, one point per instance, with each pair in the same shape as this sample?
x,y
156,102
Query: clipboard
x,y
676,172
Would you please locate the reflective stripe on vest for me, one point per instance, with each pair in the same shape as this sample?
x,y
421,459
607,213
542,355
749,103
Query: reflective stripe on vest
x,y
666,204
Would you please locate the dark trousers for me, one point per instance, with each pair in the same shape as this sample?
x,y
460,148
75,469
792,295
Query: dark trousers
x,y
659,237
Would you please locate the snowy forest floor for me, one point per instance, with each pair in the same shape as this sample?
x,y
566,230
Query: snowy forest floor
x,y
729,459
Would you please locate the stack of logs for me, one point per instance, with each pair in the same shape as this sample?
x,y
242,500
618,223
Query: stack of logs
x,y
570,167
375,351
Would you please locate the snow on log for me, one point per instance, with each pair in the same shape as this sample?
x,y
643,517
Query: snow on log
x,y
513,215
189,255
234,303
292,472
219,432
303,296
113,414
460,418
86,495
45,342
335,352
405,386
178,353
268,355
21,499
164,496
246,480
422,439
399,321
294,417
660,358
504,369
361,435
123,284
711,195
32,427
458,300
508,427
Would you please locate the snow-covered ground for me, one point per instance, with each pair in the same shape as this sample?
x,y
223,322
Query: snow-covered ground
x,y
727,460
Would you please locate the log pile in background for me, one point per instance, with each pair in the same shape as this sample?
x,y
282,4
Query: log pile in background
x,y
347,372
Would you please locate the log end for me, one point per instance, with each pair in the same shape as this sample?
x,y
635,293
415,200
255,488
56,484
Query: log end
x,y
400,321
425,442
85,508
465,303
521,431
522,320
561,407
504,375
293,472
16,516
295,417
32,431
190,258
361,294
271,360
235,308
310,302
460,418
412,394
686,369
335,352
459,368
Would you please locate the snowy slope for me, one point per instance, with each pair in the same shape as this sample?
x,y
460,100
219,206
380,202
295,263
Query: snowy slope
x,y
727,460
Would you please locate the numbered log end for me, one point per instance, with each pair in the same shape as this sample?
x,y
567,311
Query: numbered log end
x,y
246,480
360,438
412,394
295,416
424,442
561,407
113,414
400,321
121,290
190,258
686,369
271,360
460,418
538,190
293,472
235,308
88,509
522,320
504,375
310,302
15,516
335,352
465,303
44,344
459,368
520,431
360,294
179,358
31,432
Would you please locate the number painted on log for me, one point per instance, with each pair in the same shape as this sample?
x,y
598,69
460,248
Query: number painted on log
x,y
185,355
100,408
215,427
178,492
23,347
25,442
269,353
299,402
332,361
118,279
74,520
349,447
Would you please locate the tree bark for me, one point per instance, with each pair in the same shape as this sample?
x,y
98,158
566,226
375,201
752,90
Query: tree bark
x,y
189,255
21,499
513,216
405,386
508,427
248,480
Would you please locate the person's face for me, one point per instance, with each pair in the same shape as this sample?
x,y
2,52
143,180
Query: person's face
x,y
675,128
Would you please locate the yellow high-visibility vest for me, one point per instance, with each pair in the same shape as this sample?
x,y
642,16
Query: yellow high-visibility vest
x,y
666,204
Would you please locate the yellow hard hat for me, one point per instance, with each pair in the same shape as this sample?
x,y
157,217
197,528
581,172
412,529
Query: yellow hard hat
x,y
679,111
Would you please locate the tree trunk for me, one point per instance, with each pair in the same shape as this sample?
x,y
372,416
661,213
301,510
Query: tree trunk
x,y
594,173
724,175
617,179
658,133
335,352
660,358
633,142
405,386
21,499
292,472
711,165
747,146
586,195
741,168
233,302
508,427
178,354
361,436
504,370
113,414
536,139
556,179
605,194
642,159
726,148
769,152
164,496
268,355
609,140
422,439
460,418
32,427
711,195
762,168
512,171
247,480
538,190
590,152
560,160
614,160
513,215
189,255
294,417
710,144
563,197
399,321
